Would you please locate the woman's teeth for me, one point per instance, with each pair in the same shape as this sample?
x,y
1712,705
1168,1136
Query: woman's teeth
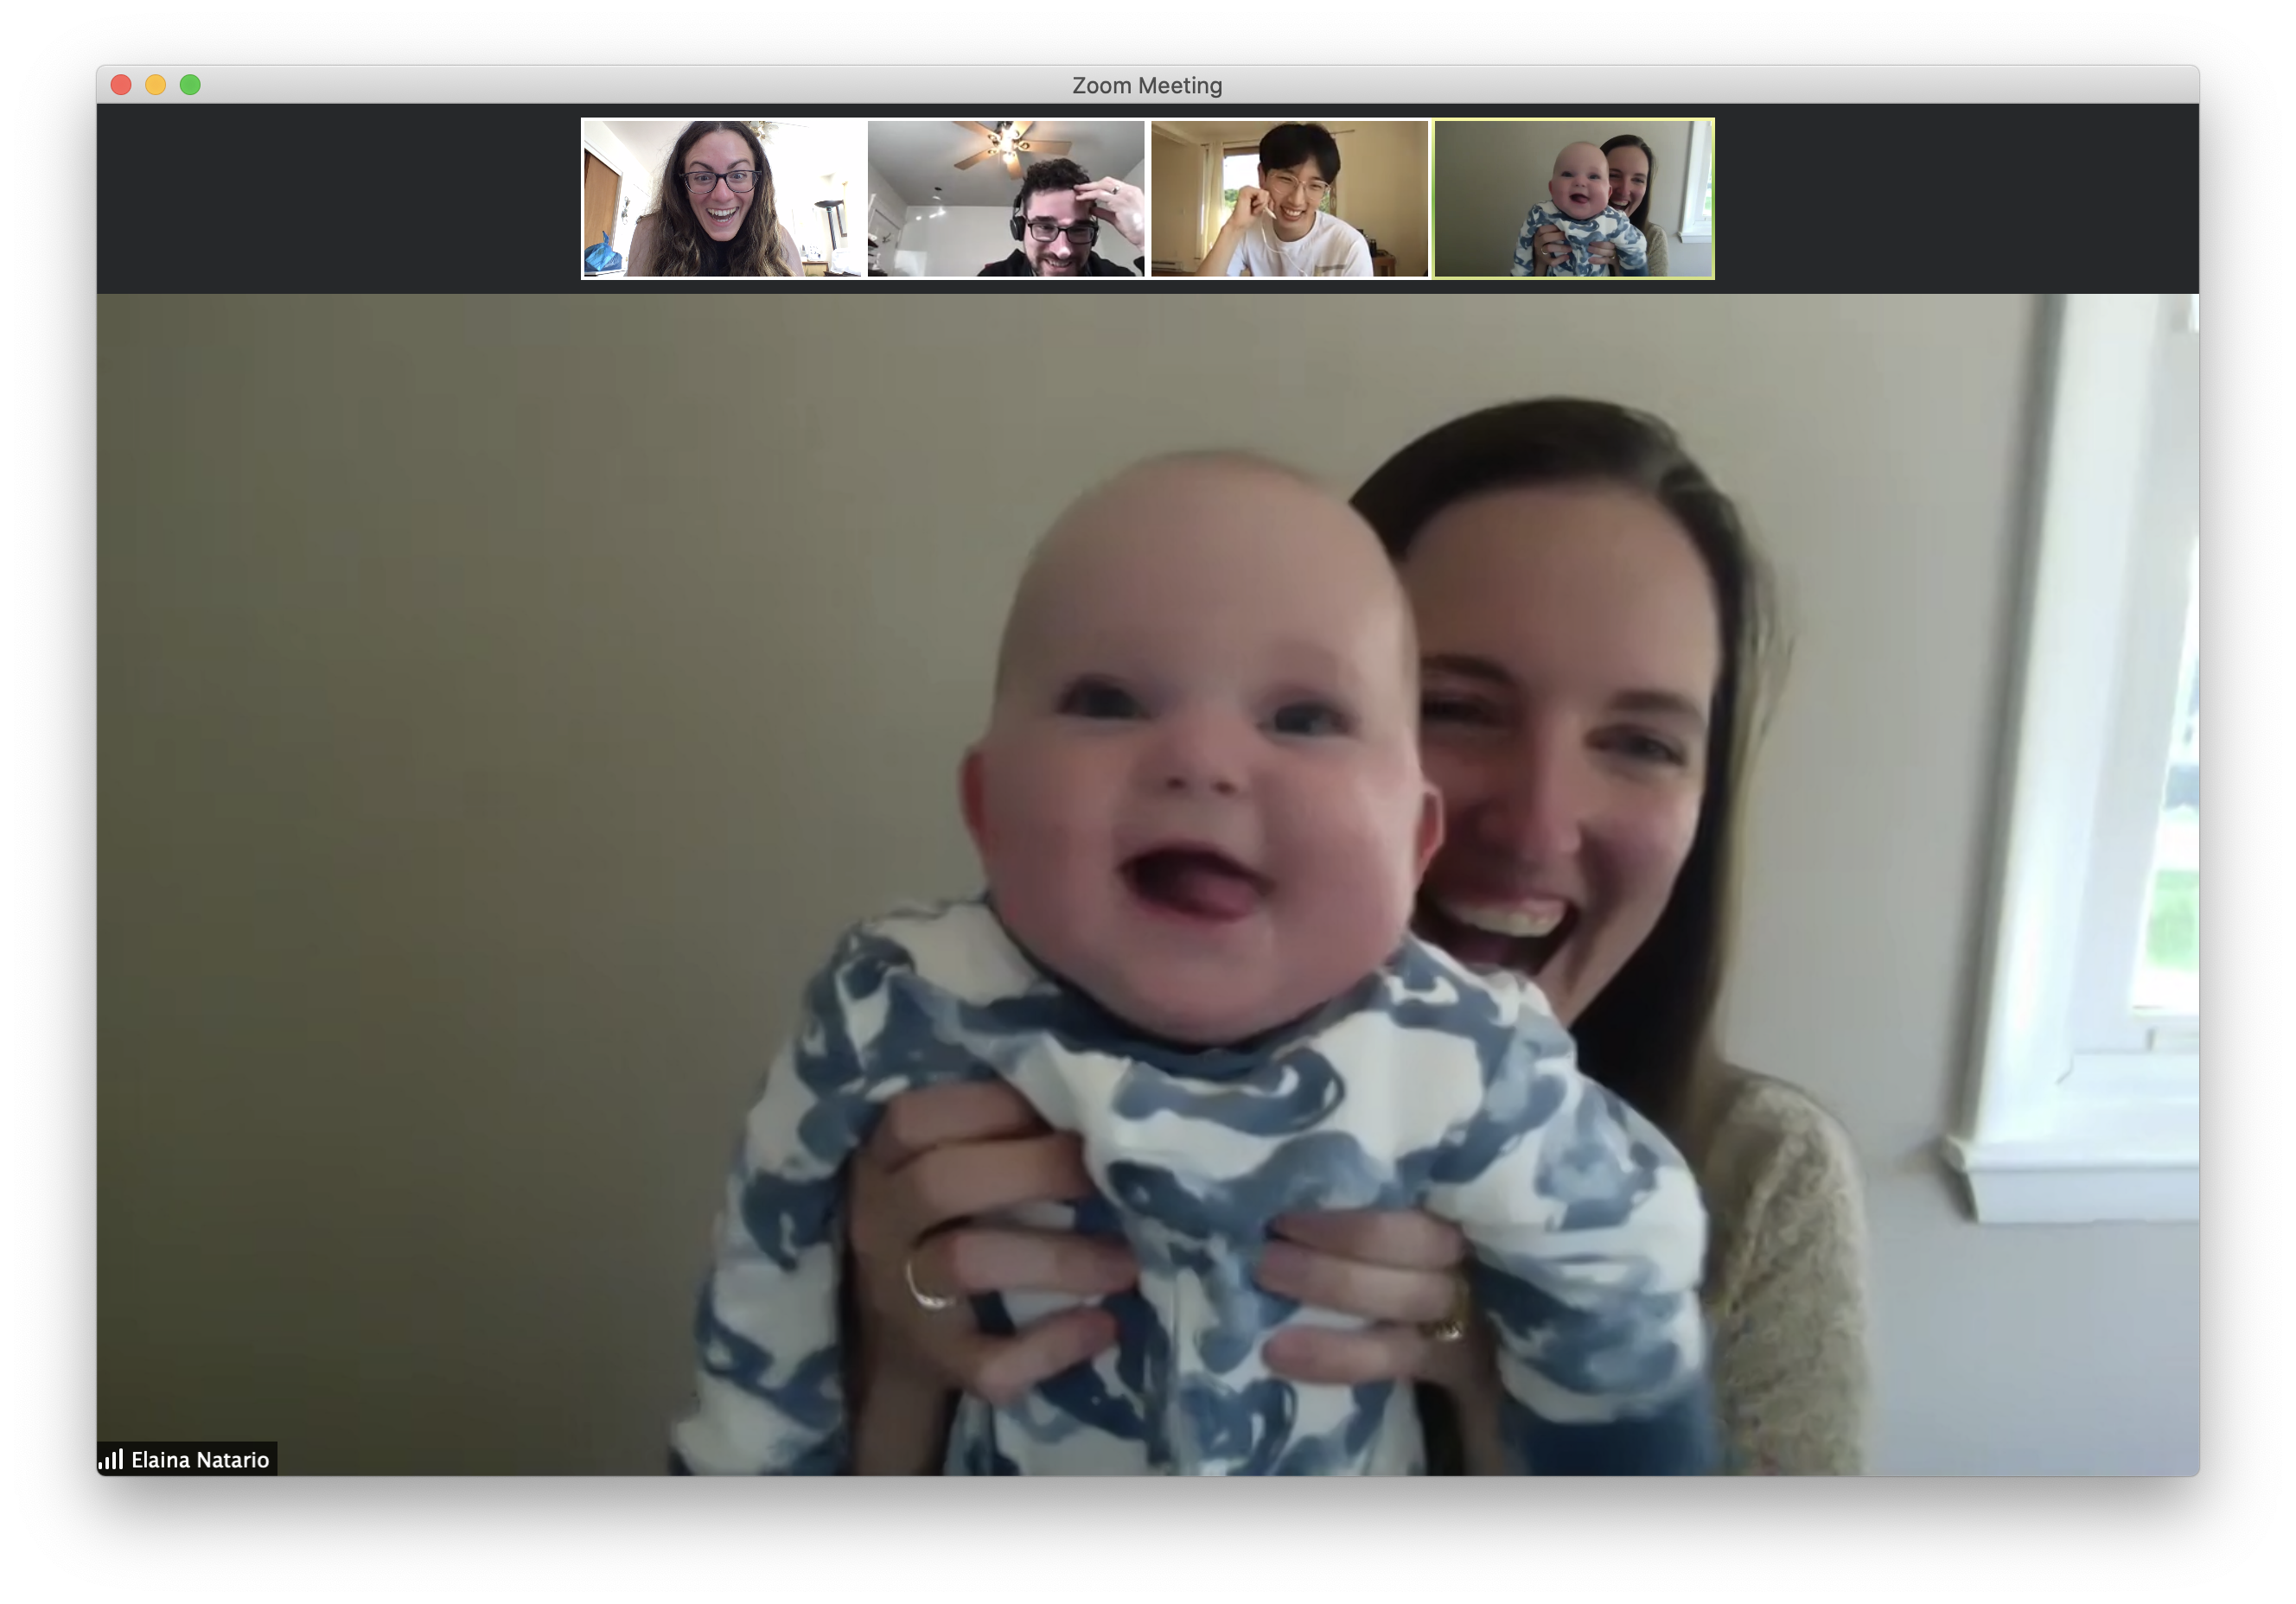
x,y
722,215
1520,920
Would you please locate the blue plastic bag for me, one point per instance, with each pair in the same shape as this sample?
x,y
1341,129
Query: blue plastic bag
x,y
601,257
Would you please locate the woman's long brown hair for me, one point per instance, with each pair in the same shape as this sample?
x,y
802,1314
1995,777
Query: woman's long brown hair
x,y
1649,1036
682,250
1641,215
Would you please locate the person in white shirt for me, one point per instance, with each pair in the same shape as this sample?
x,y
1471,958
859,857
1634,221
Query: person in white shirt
x,y
1279,228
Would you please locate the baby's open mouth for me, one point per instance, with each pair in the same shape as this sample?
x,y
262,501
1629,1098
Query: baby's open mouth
x,y
1197,882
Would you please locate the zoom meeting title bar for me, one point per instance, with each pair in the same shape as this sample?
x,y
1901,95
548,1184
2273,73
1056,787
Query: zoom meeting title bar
x,y
1107,84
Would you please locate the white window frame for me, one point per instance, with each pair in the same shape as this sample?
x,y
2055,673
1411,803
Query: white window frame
x,y
1697,223
2080,1110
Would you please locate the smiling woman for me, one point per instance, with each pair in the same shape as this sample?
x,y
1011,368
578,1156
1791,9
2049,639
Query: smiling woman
x,y
1600,648
1595,648
714,215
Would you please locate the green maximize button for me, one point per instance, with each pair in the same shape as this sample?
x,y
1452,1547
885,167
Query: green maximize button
x,y
191,83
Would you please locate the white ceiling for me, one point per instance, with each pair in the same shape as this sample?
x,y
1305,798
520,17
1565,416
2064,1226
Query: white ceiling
x,y
915,156
1247,133
799,153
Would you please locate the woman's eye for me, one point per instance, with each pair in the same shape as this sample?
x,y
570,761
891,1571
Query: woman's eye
x,y
1453,709
1097,698
1646,748
1310,718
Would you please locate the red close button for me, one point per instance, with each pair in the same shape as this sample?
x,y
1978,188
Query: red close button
x,y
121,84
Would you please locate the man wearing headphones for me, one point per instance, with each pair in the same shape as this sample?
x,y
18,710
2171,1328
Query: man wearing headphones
x,y
1056,220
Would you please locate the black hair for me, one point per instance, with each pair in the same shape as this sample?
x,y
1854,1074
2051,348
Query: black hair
x,y
1288,144
1054,173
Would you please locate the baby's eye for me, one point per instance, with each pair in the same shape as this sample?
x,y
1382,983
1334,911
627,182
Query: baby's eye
x,y
1310,718
1099,699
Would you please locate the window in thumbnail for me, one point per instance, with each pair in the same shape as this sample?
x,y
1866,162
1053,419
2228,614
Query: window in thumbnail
x,y
1698,205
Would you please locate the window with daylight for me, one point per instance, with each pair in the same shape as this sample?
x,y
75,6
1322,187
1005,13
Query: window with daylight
x,y
2168,983
1698,192
2085,1099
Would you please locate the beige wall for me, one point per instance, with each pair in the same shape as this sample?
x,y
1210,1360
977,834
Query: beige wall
x,y
1174,199
1489,174
505,700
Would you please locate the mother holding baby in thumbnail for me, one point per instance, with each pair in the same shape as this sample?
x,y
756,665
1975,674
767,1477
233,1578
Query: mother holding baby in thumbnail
x,y
1631,158
1597,641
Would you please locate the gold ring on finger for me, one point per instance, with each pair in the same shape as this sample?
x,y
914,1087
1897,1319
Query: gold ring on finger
x,y
1454,1325
925,1300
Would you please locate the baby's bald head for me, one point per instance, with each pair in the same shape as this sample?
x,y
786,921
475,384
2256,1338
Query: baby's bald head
x,y
1579,156
1581,181
1241,520
1198,797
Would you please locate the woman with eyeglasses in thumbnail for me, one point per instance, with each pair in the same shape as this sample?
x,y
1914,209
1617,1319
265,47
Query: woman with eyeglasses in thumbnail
x,y
713,214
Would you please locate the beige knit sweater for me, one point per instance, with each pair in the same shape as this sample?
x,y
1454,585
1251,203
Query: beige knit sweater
x,y
1787,1300
1785,1294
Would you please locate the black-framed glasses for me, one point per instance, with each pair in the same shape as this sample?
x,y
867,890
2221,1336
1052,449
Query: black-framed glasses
x,y
738,181
1042,229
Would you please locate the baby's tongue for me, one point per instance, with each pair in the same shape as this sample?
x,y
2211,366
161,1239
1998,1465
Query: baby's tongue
x,y
1195,883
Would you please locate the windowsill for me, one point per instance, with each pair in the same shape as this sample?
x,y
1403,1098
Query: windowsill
x,y
2082,1109
1706,238
2119,1143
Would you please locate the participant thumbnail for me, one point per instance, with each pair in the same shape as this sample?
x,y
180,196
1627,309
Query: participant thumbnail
x,y
1019,199
1555,197
721,198
1343,199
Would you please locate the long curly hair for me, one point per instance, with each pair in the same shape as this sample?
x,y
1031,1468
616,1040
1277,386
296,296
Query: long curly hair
x,y
683,250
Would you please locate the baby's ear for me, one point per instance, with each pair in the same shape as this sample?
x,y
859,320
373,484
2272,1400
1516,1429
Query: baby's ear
x,y
972,798
1430,838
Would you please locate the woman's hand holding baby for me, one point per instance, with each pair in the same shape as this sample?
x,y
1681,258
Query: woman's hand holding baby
x,y
1548,247
1400,1271
939,1158
943,1157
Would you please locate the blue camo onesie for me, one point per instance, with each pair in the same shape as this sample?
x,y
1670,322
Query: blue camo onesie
x,y
1608,224
1426,1085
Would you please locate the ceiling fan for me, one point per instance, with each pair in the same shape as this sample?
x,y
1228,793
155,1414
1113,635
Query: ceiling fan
x,y
1005,141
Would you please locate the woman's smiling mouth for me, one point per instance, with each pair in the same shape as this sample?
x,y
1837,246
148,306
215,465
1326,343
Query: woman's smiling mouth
x,y
1521,934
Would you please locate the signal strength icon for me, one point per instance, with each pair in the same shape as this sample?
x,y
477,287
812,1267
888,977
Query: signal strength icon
x,y
117,1459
